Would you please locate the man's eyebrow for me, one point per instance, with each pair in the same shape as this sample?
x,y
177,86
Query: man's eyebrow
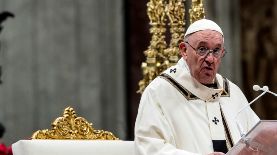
x,y
219,45
202,43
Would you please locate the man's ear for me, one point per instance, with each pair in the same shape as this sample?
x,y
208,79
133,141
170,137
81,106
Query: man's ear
x,y
183,50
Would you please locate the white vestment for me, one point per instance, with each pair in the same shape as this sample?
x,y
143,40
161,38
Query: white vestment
x,y
184,118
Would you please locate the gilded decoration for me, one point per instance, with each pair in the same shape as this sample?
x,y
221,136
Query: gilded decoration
x,y
156,11
176,13
72,127
197,10
159,55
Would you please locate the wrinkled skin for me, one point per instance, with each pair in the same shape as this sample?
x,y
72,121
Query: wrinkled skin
x,y
202,68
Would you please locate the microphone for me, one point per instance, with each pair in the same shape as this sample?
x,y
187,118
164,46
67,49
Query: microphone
x,y
265,89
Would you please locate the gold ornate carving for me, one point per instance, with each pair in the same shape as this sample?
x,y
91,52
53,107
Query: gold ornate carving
x,y
176,14
155,12
154,54
197,10
160,56
72,127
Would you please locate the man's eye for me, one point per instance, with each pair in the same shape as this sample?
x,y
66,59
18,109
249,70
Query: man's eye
x,y
216,50
202,49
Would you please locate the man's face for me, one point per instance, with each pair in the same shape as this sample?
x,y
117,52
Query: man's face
x,y
202,68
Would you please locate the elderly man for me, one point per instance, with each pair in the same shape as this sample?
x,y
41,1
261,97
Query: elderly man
x,y
190,109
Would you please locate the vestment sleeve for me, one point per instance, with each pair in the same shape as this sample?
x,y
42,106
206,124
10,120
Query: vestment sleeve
x,y
153,134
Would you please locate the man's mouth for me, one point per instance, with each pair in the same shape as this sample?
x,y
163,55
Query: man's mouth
x,y
208,68
208,71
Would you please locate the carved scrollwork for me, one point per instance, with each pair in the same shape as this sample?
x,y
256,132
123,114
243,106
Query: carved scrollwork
x,y
176,14
154,53
155,12
197,10
175,11
72,127
160,56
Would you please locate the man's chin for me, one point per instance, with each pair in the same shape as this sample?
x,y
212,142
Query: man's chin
x,y
207,79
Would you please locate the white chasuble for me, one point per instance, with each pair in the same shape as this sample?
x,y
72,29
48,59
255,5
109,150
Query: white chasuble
x,y
179,116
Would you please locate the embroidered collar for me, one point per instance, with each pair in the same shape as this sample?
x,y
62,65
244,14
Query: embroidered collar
x,y
179,76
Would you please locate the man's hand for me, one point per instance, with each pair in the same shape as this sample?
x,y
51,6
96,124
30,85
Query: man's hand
x,y
217,153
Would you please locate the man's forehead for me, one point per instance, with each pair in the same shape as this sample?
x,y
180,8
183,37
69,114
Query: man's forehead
x,y
206,37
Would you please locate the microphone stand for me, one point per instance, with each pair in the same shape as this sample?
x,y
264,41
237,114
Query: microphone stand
x,y
247,141
242,133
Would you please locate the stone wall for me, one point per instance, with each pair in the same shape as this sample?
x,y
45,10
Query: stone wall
x,y
62,53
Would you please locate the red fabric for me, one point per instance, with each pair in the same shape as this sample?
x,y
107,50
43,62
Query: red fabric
x,y
9,150
3,149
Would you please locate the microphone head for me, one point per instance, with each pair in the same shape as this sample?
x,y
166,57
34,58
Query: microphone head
x,y
256,87
265,88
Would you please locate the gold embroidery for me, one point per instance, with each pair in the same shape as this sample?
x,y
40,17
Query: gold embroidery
x,y
189,96
229,140
226,88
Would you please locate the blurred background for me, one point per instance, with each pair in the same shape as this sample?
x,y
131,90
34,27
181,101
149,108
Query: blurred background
x,y
88,53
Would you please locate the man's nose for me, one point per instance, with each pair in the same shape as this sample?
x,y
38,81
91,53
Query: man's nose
x,y
209,58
